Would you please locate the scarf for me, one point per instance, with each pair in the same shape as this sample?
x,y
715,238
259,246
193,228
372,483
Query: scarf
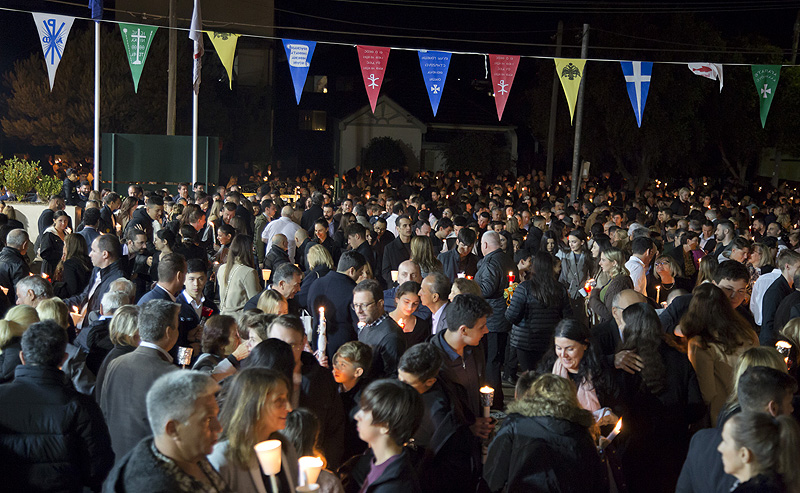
x,y
586,394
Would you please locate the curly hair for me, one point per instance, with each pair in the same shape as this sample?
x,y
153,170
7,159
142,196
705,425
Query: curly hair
x,y
554,396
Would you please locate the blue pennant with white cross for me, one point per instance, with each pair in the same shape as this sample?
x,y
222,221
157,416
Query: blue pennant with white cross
x,y
434,65
637,79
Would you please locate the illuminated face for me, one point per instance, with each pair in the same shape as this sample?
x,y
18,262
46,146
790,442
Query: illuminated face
x,y
274,412
740,254
366,307
155,212
321,232
379,228
408,304
197,436
61,223
139,244
345,371
327,213
734,289
404,228
606,264
570,353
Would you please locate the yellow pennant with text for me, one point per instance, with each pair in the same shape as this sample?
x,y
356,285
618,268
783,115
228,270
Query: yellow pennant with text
x,y
225,44
570,73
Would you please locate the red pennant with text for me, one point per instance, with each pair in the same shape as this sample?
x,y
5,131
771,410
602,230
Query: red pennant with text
x,y
373,66
504,67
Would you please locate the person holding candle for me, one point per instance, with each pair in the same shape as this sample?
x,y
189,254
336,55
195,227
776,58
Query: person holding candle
x,y
662,401
255,409
407,300
546,440
613,269
302,429
390,413
238,278
666,277
320,263
51,248
535,309
460,259
222,348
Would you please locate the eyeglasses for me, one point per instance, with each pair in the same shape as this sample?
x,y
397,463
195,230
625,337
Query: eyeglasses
x,y
661,263
361,306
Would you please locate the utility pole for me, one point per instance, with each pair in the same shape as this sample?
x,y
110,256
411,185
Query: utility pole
x,y
172,71
576,152
551,134
795,38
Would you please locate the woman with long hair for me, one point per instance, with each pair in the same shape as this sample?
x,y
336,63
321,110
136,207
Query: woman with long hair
x,y
547,439
576,268
320,263
415,329
51,249
762,452
537,306
662,400
708,267
611,280
717,335
255,408
302,429
187,245
123,333
125,212
272,302
422,254
550,243
238,278
164,241
667,276
12,326
340,235
73,272
759,261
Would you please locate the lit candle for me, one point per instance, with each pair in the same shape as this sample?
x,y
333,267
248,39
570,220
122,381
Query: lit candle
x,y
461,275
76,316
265,273
322,335
487,396
785,348
510,277
269,456
588,286
5,289
613,433
658,294
184,356
394,276
310,468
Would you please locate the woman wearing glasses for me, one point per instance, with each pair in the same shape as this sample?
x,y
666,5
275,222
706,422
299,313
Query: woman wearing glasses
x,y
666,277
415,329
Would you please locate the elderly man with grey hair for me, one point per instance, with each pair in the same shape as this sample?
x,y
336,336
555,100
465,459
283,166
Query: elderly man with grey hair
x,y
13,261
283,225
493,278
129,377
97,338
183,414
32,290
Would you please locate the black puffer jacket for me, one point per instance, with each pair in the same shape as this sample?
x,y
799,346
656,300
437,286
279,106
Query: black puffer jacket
x,y
13,267
533,321
492,277
536,451
53,438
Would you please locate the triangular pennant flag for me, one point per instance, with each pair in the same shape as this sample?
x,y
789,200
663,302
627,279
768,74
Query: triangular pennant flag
x,y
766,79
637,78
711,71
53,33
299,54
373,67
225,44
196,35
97,9
503,68
434,65
570,73
137,39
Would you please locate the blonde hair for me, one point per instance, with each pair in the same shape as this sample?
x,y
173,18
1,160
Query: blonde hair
x,y
674,268
270,301
616,255
422,254
54,309
552,395
123,329
23,315
8,331
755,356
319,255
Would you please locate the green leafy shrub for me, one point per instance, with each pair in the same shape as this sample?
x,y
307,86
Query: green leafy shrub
x,y
20,176
48,186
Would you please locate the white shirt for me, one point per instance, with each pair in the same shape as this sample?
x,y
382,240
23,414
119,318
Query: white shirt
x,y
436,317
636,267
157,348
390,224
284,226
760,287
196,306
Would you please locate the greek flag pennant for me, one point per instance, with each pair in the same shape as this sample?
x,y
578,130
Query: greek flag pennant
x,y
766,79
299,54
53,33
637,79
373,67
434,65
137,39
504,68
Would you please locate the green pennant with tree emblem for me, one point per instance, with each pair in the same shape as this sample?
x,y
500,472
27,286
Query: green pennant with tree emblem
x,y
137,39
766,79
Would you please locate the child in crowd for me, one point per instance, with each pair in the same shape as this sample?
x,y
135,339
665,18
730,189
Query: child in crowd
x,y
350,363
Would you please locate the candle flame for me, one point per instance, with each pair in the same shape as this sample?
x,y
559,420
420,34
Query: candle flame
x,y
618,427
75,309
401,323
783,344
486,390
321,310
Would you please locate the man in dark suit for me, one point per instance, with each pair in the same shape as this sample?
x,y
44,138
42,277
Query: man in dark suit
x,y
105,255
761,390
312,213
461,260
788,262
324,239
55,204
334,292
608,335
171,276
399,250
91,219
357,240
13,261
380,238
129,377
278,253
434,293
108,222
195,308
789,308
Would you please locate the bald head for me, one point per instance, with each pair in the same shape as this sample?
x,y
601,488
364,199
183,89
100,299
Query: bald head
x,y
280,241
490,242
409,271
623,300
17,239
287,211
300,236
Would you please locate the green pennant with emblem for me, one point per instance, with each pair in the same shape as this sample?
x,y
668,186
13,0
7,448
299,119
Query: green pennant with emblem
x,y
137,39
766,79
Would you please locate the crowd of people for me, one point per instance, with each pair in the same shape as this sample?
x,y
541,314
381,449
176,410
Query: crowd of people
x,y
367,327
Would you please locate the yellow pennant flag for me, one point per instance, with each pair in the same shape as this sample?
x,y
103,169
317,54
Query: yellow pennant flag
x,y
570,73
225,44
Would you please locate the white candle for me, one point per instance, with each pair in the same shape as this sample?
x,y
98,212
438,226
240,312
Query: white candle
x,y
658,294
487,396
322,333
394,275
614,433
269,456
310,468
